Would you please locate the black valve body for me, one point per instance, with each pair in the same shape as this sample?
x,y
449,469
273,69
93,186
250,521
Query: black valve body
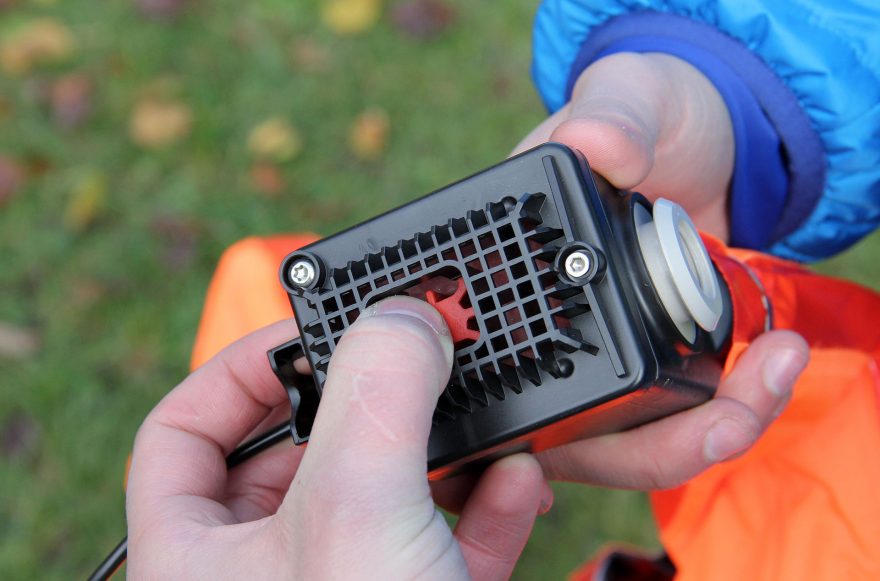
x,y
558,358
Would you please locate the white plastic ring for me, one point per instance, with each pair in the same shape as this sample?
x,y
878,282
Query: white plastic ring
x,y
679,266
692,271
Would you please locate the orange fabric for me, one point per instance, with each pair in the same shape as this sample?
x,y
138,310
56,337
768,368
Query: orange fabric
x,y
245,293
803,503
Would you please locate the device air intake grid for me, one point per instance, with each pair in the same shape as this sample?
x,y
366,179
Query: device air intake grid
x,y
569,317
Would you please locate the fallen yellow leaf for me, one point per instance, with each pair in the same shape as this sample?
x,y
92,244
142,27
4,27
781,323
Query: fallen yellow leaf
x,y
88,199
38,42
157,123
274,139
368,135
347,17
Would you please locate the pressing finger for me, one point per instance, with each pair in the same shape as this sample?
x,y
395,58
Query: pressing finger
x,y
497,519
368,447
668,452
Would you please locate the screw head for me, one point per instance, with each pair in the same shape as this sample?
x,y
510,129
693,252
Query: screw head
x,y
302,273
577,264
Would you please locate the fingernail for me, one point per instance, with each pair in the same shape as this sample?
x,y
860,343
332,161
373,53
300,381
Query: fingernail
x,y
546,499
781,369
410,307
726,438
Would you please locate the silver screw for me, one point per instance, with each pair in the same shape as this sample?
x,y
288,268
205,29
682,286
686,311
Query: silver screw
x,y
577,264
302,273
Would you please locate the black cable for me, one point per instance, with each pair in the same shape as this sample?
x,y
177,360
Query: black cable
x,y
257,444
244,452
111,563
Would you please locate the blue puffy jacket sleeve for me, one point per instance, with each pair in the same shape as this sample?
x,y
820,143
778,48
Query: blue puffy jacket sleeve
x,y
800,78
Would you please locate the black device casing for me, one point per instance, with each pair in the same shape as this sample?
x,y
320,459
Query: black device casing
x,y
557,359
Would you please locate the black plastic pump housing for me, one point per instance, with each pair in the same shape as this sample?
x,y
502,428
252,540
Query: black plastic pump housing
x,y
552,353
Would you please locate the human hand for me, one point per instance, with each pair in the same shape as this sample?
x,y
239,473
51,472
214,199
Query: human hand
x,y
654,124
355,503
670,451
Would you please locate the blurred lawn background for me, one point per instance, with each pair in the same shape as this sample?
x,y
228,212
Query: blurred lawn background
x,y
139,138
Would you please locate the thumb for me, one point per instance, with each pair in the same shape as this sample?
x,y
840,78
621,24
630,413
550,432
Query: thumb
x,y
610,120
614,124
384,381
653,123
365,466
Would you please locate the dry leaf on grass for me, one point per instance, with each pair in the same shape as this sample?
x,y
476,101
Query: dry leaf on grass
x,y
37,165
368,134
422,19
326,210
348,17
156,123
19,436
38,42
71,100
310,57
160,9
502,84
88,200
275,140
180,239
85,292
18,342
11,179
267,179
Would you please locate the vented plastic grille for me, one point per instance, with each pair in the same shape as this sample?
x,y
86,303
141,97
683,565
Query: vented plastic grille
x,y
523,309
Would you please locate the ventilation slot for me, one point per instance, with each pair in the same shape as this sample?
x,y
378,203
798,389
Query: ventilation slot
x,y
501,259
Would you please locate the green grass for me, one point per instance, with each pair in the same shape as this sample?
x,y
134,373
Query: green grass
x,y
116,304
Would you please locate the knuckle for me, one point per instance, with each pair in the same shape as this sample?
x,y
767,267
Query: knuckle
x,y
742,414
